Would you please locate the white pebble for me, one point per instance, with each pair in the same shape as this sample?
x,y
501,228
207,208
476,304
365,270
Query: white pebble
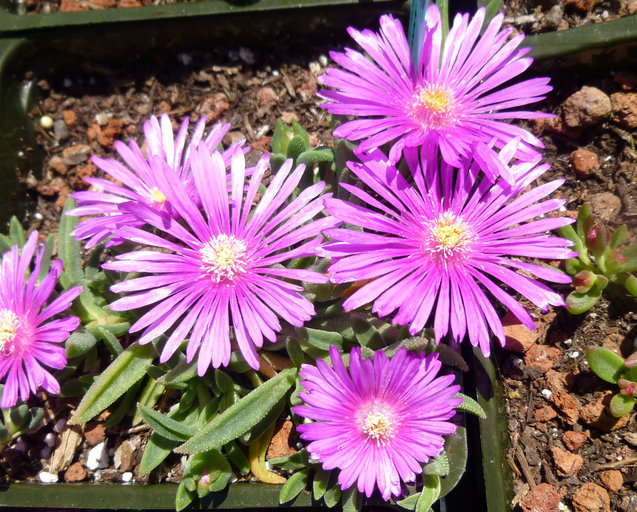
x,y
46,122
127,476
184,58
97,457
562,208
47,478
592,315
561,507
568,341
276,72
315,67
547,393
517,362
323,60
102,118
574,355
50,439
247,56
20,154
59,425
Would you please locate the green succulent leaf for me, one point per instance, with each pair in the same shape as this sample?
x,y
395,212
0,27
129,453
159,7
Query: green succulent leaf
x,y
631,285
319,338
128,368
333,493
281,138
470,405
584,212
315,156
165,426
438,466
578,303
156,451
429,494
605,363
619,236
301,132
320,483
16,232
296,147
621,405
352,500
296,461
183,372
293,486
79,343
184,496
241,416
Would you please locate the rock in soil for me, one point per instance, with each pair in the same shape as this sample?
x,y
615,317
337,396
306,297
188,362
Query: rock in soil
x,y
591,498
542,498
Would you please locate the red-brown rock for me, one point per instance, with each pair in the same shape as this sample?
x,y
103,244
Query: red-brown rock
x,y
518,337
606,205
75,473
545,413
587,107
542,356
591,498
542,498
612,480
280,445
566,463
214,107
584,162
94,433
70,118
266,96
568,405
573,440
625,109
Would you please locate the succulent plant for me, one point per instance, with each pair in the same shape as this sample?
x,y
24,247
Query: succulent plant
x,y
604,258
615,369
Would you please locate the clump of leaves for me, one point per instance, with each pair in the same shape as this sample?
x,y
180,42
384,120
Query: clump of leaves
x,y
294,142
604,258
615,369
17,420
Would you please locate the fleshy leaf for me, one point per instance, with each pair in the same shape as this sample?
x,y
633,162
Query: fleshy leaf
x,y
241,416
129,367
298,460
605,363
621,405
468,404
293,487
429,494
157,449
79,343
165,426
319,483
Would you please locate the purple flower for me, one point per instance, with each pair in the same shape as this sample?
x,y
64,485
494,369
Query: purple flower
x,y
138,180
26,341
438,245
381,421
225,268
452,99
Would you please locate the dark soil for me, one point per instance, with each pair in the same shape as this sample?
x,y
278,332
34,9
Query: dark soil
x,y
548,389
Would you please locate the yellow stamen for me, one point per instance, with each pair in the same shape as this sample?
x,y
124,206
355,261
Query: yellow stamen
x,y
223,258
433,106
9,324
378,427
447,237
156,196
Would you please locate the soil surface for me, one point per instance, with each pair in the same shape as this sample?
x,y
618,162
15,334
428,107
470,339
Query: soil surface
x,y
565,449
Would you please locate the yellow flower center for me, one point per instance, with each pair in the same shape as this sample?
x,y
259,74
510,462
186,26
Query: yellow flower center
x,y
9,325
156,197
433,107
224,258
447,238
378,427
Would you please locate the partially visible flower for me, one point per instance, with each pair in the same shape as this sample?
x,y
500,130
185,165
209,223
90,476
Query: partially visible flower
x,y
138,177
28,338
225,268
453,98
379,422
434,247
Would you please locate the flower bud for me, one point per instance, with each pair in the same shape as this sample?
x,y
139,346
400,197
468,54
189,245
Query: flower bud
x,y
631,360
627,387
584,280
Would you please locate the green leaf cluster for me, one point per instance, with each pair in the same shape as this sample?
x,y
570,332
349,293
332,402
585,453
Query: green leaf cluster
x,y
613,368
603,258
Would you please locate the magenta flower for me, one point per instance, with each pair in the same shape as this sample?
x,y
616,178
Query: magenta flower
x,y
438,245
225,268
452,99
381,421
26,341
138,180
